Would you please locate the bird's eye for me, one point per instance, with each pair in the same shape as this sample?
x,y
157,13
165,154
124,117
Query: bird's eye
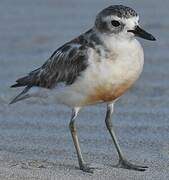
x,y
115,23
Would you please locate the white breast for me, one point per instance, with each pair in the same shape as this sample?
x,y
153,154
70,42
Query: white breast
x,y
123,64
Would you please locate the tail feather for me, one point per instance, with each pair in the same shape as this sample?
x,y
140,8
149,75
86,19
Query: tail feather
x,y
16,85
22,95
24,81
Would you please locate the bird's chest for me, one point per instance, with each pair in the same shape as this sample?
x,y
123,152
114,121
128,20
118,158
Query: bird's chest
x,y
110,77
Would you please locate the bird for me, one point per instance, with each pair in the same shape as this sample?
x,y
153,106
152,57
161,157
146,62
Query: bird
x,y
98,66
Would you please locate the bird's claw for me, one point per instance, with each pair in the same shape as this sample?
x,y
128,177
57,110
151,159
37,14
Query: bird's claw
x,y
127,165
87,168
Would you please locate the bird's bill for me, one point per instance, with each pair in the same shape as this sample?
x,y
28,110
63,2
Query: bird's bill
x,y
142,33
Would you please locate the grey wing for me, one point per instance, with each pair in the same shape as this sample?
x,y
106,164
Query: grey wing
x,y
65,65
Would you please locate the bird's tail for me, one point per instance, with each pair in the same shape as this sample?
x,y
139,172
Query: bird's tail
x,y
23,95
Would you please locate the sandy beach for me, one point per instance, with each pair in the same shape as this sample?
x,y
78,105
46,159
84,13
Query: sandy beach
x,y
35,142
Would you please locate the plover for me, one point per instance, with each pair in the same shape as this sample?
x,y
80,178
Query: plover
x,y
96,67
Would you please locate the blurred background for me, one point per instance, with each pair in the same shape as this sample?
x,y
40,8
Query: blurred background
x,y
36,129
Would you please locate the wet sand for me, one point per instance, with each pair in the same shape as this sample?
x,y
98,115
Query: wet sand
x,y
35,141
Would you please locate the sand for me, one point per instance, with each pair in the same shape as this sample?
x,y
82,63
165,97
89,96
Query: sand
x,y
35,141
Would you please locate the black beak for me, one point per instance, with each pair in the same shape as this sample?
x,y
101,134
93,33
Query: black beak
x,y
143,34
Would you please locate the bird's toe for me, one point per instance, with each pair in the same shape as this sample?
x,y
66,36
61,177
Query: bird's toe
x,y
127,165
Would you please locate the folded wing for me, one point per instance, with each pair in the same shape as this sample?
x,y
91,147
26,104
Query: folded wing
x,y
65,65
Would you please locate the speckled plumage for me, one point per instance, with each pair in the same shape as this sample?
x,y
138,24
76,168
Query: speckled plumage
x,y
119,11
71,62
98,66
64,65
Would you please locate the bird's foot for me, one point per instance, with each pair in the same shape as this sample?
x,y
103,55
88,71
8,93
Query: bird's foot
x,y
127,165
86,168
89,168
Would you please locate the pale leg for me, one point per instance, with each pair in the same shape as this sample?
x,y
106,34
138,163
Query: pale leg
x,y
83,166
123,163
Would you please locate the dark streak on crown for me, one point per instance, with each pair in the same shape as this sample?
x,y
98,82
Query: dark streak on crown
x,y
119,11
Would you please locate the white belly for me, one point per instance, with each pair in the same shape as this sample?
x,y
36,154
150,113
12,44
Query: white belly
x,y
105,80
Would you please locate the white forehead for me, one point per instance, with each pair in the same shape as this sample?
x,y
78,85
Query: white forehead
x,y
130,22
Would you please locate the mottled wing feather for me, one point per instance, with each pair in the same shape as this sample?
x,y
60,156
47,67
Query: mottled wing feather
x,y
65,65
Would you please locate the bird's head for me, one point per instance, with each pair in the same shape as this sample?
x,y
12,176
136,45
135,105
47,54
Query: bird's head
x,y
122,22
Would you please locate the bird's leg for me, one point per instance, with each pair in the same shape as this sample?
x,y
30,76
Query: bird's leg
x,y
123,163
83,166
